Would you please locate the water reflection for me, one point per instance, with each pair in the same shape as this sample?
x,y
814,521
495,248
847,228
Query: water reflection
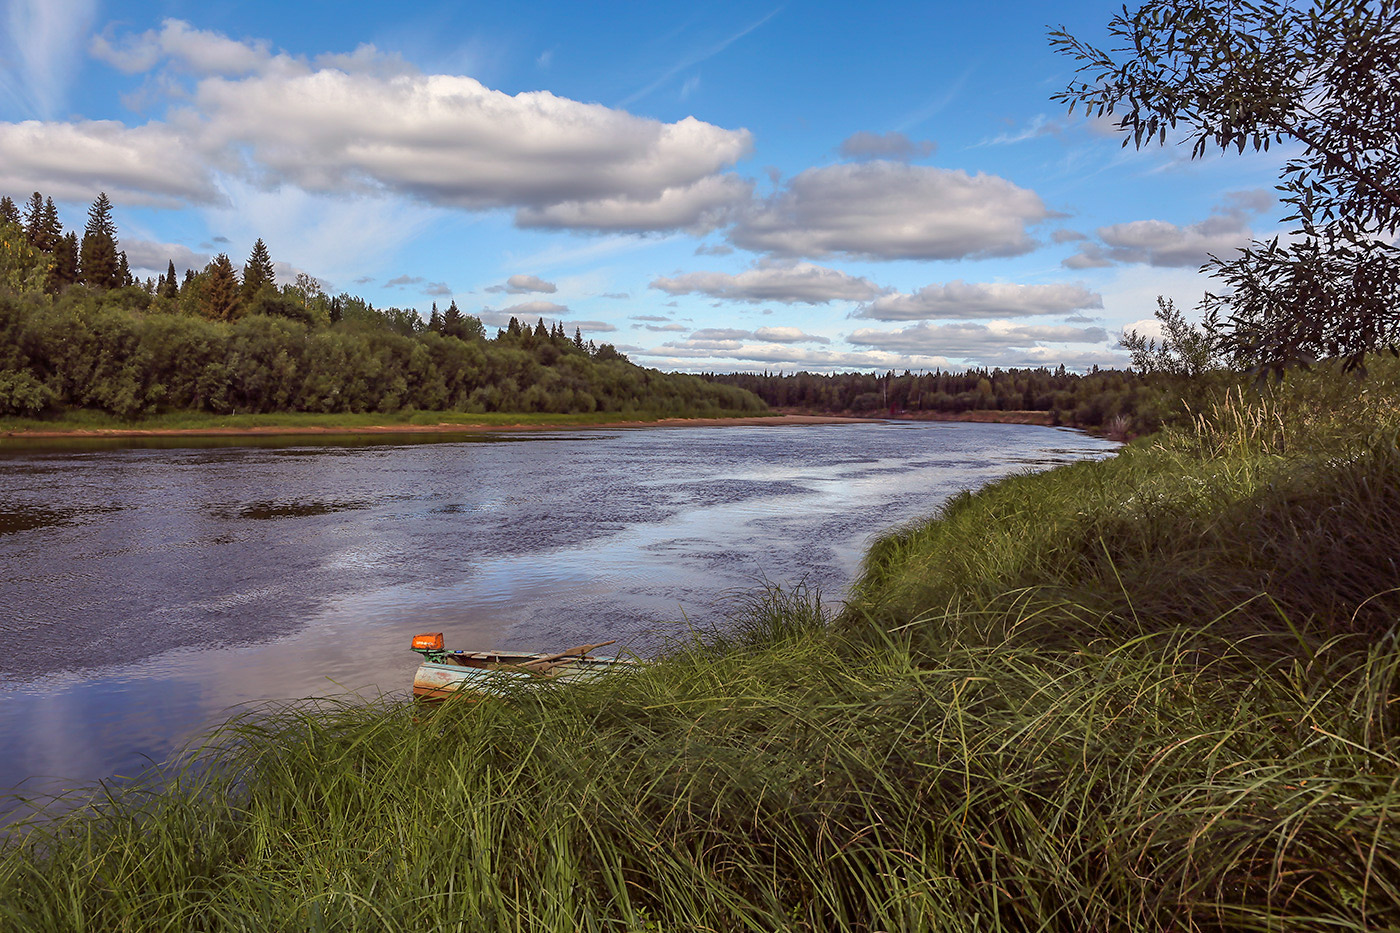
x,y
152,589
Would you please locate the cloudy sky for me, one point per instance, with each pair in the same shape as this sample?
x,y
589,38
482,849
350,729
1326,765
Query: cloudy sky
x,y
709,186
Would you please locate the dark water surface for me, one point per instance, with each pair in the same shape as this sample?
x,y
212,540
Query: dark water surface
x,y
146,590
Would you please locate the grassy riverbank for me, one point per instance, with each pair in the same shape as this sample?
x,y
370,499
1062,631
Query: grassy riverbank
x,y
80,422
1161,692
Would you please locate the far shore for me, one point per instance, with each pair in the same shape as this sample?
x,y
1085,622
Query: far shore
x,y
439,428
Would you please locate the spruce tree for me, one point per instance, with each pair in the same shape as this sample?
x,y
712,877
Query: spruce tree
x,y
578,338
257,271
98,263
9,214
435,320
220,298
124,271
172,285
63,271
336,311
452,322
100,217
34,218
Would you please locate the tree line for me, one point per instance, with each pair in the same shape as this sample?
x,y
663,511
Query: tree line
x,y
1120,399
77,330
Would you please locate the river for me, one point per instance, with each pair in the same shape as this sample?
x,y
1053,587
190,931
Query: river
x,y
148,587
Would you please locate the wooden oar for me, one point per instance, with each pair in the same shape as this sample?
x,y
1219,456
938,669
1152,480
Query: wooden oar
x,y
541,665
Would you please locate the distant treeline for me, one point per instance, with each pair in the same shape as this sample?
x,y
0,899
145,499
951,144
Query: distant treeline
x,y
77,330
1115,399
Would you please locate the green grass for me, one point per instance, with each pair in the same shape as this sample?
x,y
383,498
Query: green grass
x,y
88,420
1157,693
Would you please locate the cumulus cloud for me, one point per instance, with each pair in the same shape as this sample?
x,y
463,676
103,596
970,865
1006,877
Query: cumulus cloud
x,y
718,249
698,207
149,256
150,165
523,284
437,290
720,333
743,356
590,327
789,283
649,317
970,340
664,328
452,141
194,50
365,123
889,210
527,309
1163,244
787,335
403,281
891,145
958,299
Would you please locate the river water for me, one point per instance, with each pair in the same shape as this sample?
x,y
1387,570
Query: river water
x,y
147,589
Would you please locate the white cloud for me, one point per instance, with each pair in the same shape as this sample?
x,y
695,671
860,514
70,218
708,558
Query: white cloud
x,y
365,123
195,50
743,356
155,258
589,327
959,299
892,145
787,335
788,283
528,309
451,141
973,341
698,207
150,165
888,210
1167,245
521,284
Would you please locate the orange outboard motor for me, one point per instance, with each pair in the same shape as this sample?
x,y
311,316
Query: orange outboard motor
x,y
429,646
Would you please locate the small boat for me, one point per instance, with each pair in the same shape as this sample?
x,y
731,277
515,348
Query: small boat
x,y
445,673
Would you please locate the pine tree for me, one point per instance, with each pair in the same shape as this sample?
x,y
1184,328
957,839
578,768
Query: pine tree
x,y
257,271
9,214
220,298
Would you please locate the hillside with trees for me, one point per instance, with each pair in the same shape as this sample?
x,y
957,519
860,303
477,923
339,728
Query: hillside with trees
x,y
77,330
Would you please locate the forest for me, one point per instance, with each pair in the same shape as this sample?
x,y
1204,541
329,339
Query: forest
x,y
1118,401
77,330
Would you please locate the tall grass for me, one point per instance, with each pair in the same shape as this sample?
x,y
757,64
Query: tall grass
x,y
1158,693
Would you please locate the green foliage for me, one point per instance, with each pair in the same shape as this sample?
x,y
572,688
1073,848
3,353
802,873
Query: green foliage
x,y
1185,350
1115,401
1234,75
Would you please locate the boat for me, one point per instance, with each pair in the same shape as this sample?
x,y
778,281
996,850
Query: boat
x,y
476,674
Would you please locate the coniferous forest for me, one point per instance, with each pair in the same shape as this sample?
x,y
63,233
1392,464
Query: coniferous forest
x,y
77,330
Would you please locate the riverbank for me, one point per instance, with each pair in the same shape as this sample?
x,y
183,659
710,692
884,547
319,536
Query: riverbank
x,y
1153,693
261,425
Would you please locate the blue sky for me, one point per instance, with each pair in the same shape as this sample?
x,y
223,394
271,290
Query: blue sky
x,y
709,186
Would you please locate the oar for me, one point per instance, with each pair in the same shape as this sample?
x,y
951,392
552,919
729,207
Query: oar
x,y
540,665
